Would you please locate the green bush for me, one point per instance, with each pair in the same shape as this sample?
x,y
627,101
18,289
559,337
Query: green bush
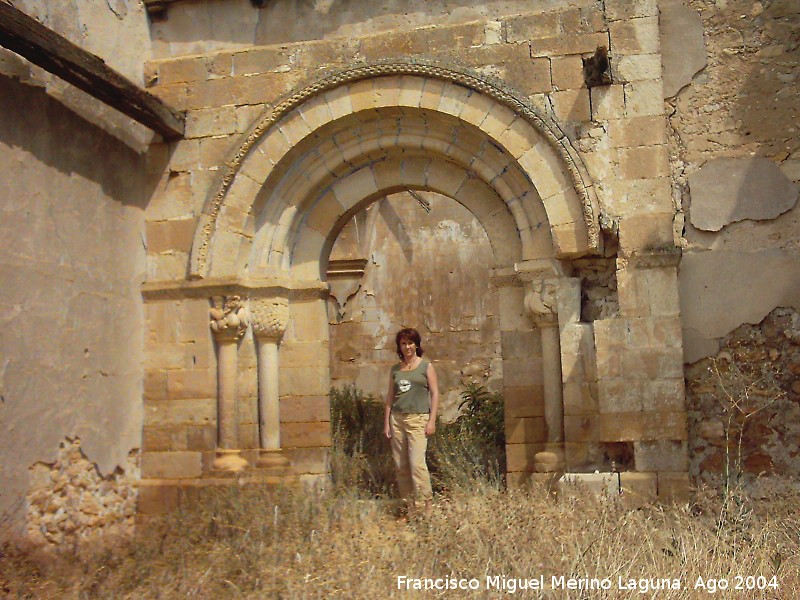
x,y
471,448
468,449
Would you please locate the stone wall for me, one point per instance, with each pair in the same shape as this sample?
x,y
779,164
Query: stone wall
x,y
72,262
70,502
735,150
617,132
184,29
427,268
751,388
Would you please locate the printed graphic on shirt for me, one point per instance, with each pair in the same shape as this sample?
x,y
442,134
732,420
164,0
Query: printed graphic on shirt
x,y
403,385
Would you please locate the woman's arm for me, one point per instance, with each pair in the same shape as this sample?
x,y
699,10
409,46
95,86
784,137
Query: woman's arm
x,y
387,409
433,386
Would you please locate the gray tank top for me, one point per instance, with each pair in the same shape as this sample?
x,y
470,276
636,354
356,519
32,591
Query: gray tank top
x,y
411,391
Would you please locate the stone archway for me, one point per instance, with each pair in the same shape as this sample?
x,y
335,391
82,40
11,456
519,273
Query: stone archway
x,y
333,148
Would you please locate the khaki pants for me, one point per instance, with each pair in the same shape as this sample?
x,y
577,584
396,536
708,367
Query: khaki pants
x,y
408,451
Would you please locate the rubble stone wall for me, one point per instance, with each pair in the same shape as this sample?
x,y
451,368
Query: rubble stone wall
x,y
750,391
70,502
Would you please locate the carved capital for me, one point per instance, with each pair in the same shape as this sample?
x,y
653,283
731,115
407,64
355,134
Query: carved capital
x,y
229,318
540,302
270,317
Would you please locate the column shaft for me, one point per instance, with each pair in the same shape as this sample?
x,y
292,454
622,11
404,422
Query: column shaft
x,y
268,395
227,425
553,391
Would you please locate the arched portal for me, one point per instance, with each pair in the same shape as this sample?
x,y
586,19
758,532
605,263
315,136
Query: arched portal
x,y
335,147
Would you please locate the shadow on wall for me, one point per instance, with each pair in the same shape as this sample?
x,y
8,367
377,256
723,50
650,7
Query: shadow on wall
x,y
395,224
70,144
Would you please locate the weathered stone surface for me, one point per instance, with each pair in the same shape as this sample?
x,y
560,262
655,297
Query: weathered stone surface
x,y
599,483
683,52
638,488
662,455
673,487
732,189
171,465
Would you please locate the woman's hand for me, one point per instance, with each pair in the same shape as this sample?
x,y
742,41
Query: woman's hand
x,y
387,430
430,427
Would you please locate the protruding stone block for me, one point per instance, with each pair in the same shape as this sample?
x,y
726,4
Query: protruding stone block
x,y
606,484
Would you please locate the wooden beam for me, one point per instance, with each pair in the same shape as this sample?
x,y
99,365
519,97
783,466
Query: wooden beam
x,y
44,47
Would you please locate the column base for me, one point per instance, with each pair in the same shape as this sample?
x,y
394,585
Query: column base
x,y
229,460
550,460
273,460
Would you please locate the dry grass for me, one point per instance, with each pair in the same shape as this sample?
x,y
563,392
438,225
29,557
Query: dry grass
x,y
257,543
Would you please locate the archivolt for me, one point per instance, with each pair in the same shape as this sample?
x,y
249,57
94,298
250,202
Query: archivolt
x,y
307,101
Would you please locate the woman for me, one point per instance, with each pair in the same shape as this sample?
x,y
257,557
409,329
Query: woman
x,y
410,417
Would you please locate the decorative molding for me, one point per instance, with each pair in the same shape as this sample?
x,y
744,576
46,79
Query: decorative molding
x,y
548,128
203,288
352,267
651,260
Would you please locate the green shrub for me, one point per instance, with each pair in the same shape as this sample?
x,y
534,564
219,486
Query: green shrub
x,y
468,449
471,448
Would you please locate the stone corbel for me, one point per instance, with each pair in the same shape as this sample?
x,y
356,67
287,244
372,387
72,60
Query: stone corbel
x,y
540,302
229,321
270,316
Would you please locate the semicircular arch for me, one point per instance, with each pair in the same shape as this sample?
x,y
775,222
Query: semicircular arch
x,y
535,148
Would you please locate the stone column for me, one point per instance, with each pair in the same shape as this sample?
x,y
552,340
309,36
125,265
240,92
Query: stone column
x,y
270,317
228,323
540,303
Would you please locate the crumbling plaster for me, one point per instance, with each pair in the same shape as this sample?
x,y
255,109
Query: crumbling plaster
x,y
683,51
72,264
736,115
725,190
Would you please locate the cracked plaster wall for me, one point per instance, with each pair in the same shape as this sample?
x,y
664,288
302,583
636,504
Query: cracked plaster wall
x,y
71,263
425,270
735,153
